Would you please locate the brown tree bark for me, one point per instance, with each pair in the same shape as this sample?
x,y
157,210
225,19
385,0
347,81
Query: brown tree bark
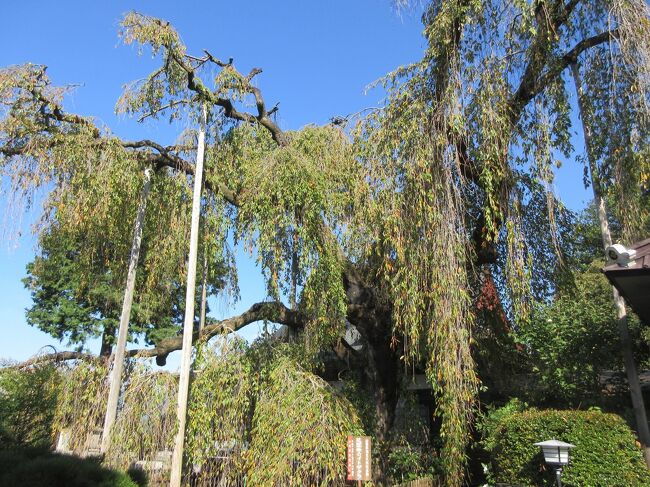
x,y
379,361
106,348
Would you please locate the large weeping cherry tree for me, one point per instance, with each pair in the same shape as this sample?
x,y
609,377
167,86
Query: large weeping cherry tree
x,y
395,226
469,135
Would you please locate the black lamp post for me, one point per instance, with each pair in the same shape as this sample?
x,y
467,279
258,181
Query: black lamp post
x,y
556,454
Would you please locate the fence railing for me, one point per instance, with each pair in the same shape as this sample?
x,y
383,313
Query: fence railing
x,y
424,482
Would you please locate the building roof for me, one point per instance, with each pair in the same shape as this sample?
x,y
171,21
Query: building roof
x,y
633,280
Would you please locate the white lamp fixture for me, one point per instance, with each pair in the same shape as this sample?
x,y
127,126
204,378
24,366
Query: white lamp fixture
x,y
556,454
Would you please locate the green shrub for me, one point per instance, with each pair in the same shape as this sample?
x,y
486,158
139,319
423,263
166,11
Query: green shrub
x,y
36,469
28,400
606,452
406,463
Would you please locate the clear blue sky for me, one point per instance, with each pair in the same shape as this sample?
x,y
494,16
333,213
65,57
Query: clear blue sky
x,y
317,57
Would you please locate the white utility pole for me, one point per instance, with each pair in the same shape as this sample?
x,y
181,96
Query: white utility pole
x,y
188,325
118,360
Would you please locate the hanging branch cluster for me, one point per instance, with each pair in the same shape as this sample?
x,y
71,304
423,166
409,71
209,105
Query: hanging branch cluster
x,y
454,150
94,177
290,192
315,163
249,406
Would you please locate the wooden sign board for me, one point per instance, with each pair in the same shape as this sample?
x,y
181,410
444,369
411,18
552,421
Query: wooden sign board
x,y
359,458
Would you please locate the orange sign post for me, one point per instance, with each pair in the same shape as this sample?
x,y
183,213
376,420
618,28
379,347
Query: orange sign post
x,y
359,458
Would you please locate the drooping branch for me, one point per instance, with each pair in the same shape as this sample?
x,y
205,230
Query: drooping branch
x,y
537,76
56,111
165,156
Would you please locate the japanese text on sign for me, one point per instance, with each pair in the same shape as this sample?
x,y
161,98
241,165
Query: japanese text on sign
x,y
359,458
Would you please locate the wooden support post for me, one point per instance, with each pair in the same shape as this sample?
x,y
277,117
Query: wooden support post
x,y
120,349
204,291
188,325
638,405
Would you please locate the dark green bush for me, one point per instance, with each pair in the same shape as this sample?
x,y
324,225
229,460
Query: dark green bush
x,y
606,452
33,468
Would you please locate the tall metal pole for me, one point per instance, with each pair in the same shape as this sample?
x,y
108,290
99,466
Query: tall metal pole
x,y
118,360
621,313
188,325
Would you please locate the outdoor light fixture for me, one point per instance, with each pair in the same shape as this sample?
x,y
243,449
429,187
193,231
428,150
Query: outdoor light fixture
x,y
556,454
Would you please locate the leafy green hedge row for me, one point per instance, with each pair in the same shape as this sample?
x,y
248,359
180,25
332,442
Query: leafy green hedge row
x,y
606,452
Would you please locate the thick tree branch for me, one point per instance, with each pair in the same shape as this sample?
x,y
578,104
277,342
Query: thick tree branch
x,y
535,80
166,156
538,75
58,114
570,57
165,152
55,357
12,151
195,84
547,32
275,312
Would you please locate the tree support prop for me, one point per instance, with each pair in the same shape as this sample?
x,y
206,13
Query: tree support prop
x,y
118,361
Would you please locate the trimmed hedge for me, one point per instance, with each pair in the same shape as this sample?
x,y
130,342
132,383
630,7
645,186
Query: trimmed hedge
x,y
606,452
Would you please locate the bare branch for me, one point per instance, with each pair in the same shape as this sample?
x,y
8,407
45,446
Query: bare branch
x,y
254,72
171,104
195,84
274,109
218,62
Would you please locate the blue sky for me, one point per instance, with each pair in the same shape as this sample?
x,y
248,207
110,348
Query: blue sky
x,y
317,57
